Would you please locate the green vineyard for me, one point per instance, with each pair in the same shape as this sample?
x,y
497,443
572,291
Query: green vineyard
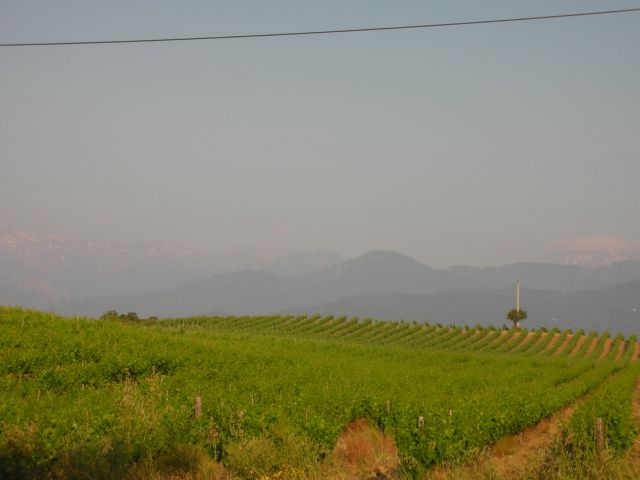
x,y
109,397
552,343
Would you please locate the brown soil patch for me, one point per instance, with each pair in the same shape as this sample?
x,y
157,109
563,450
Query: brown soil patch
x,y
621,349
540,340
202,467
581,341
522,339
553,342
501,334
607,347
563,345
636,352
526,339
512,456
512,341
592,347
362,453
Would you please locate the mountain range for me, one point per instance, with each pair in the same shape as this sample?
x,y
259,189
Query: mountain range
x,y
41,270
167,280
390,285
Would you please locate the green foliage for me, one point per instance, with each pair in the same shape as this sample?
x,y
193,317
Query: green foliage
x,y
597,352
114,315
110,315
572,343
276,390
611,402
516,316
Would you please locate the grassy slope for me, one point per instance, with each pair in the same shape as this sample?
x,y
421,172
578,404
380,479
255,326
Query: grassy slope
x,y
103,395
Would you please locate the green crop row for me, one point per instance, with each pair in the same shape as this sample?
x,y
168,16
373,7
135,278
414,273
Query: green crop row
x,y
612,404
413,334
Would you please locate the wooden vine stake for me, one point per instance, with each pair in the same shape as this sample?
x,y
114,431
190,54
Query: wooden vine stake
x,y
420,421
599,436
388,406
197,409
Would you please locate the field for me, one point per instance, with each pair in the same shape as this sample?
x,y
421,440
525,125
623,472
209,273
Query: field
x,y
88,398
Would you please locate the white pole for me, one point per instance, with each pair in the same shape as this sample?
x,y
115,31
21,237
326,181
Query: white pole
x,y
518,296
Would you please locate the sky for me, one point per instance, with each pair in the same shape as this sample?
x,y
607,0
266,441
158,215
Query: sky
x,y
471,145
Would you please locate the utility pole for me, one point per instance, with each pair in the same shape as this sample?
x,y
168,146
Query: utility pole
x,y
517,314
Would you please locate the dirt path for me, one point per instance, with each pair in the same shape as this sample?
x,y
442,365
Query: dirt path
x,y
512,456
581,341
636,352
516,456
621,349
563,345
607,347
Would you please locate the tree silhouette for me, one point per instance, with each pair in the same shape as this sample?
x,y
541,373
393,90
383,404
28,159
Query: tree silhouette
x,y
109,315
516,316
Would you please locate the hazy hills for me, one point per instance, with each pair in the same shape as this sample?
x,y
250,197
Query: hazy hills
x,y
90,277
391,285
41,270
246,292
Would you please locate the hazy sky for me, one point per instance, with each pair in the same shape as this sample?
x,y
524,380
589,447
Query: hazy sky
x,y
476,145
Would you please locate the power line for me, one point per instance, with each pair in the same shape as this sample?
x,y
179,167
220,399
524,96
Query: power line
x,y
321,32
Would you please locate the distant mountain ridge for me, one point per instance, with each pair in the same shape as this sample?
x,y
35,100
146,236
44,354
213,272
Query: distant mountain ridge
x,y
40,270
162,279
391,285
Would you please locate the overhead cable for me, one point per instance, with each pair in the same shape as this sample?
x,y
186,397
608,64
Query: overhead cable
x,y
321,32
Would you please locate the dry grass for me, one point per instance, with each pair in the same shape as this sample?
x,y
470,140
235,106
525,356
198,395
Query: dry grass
x,y
279,453
202,467
363,453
